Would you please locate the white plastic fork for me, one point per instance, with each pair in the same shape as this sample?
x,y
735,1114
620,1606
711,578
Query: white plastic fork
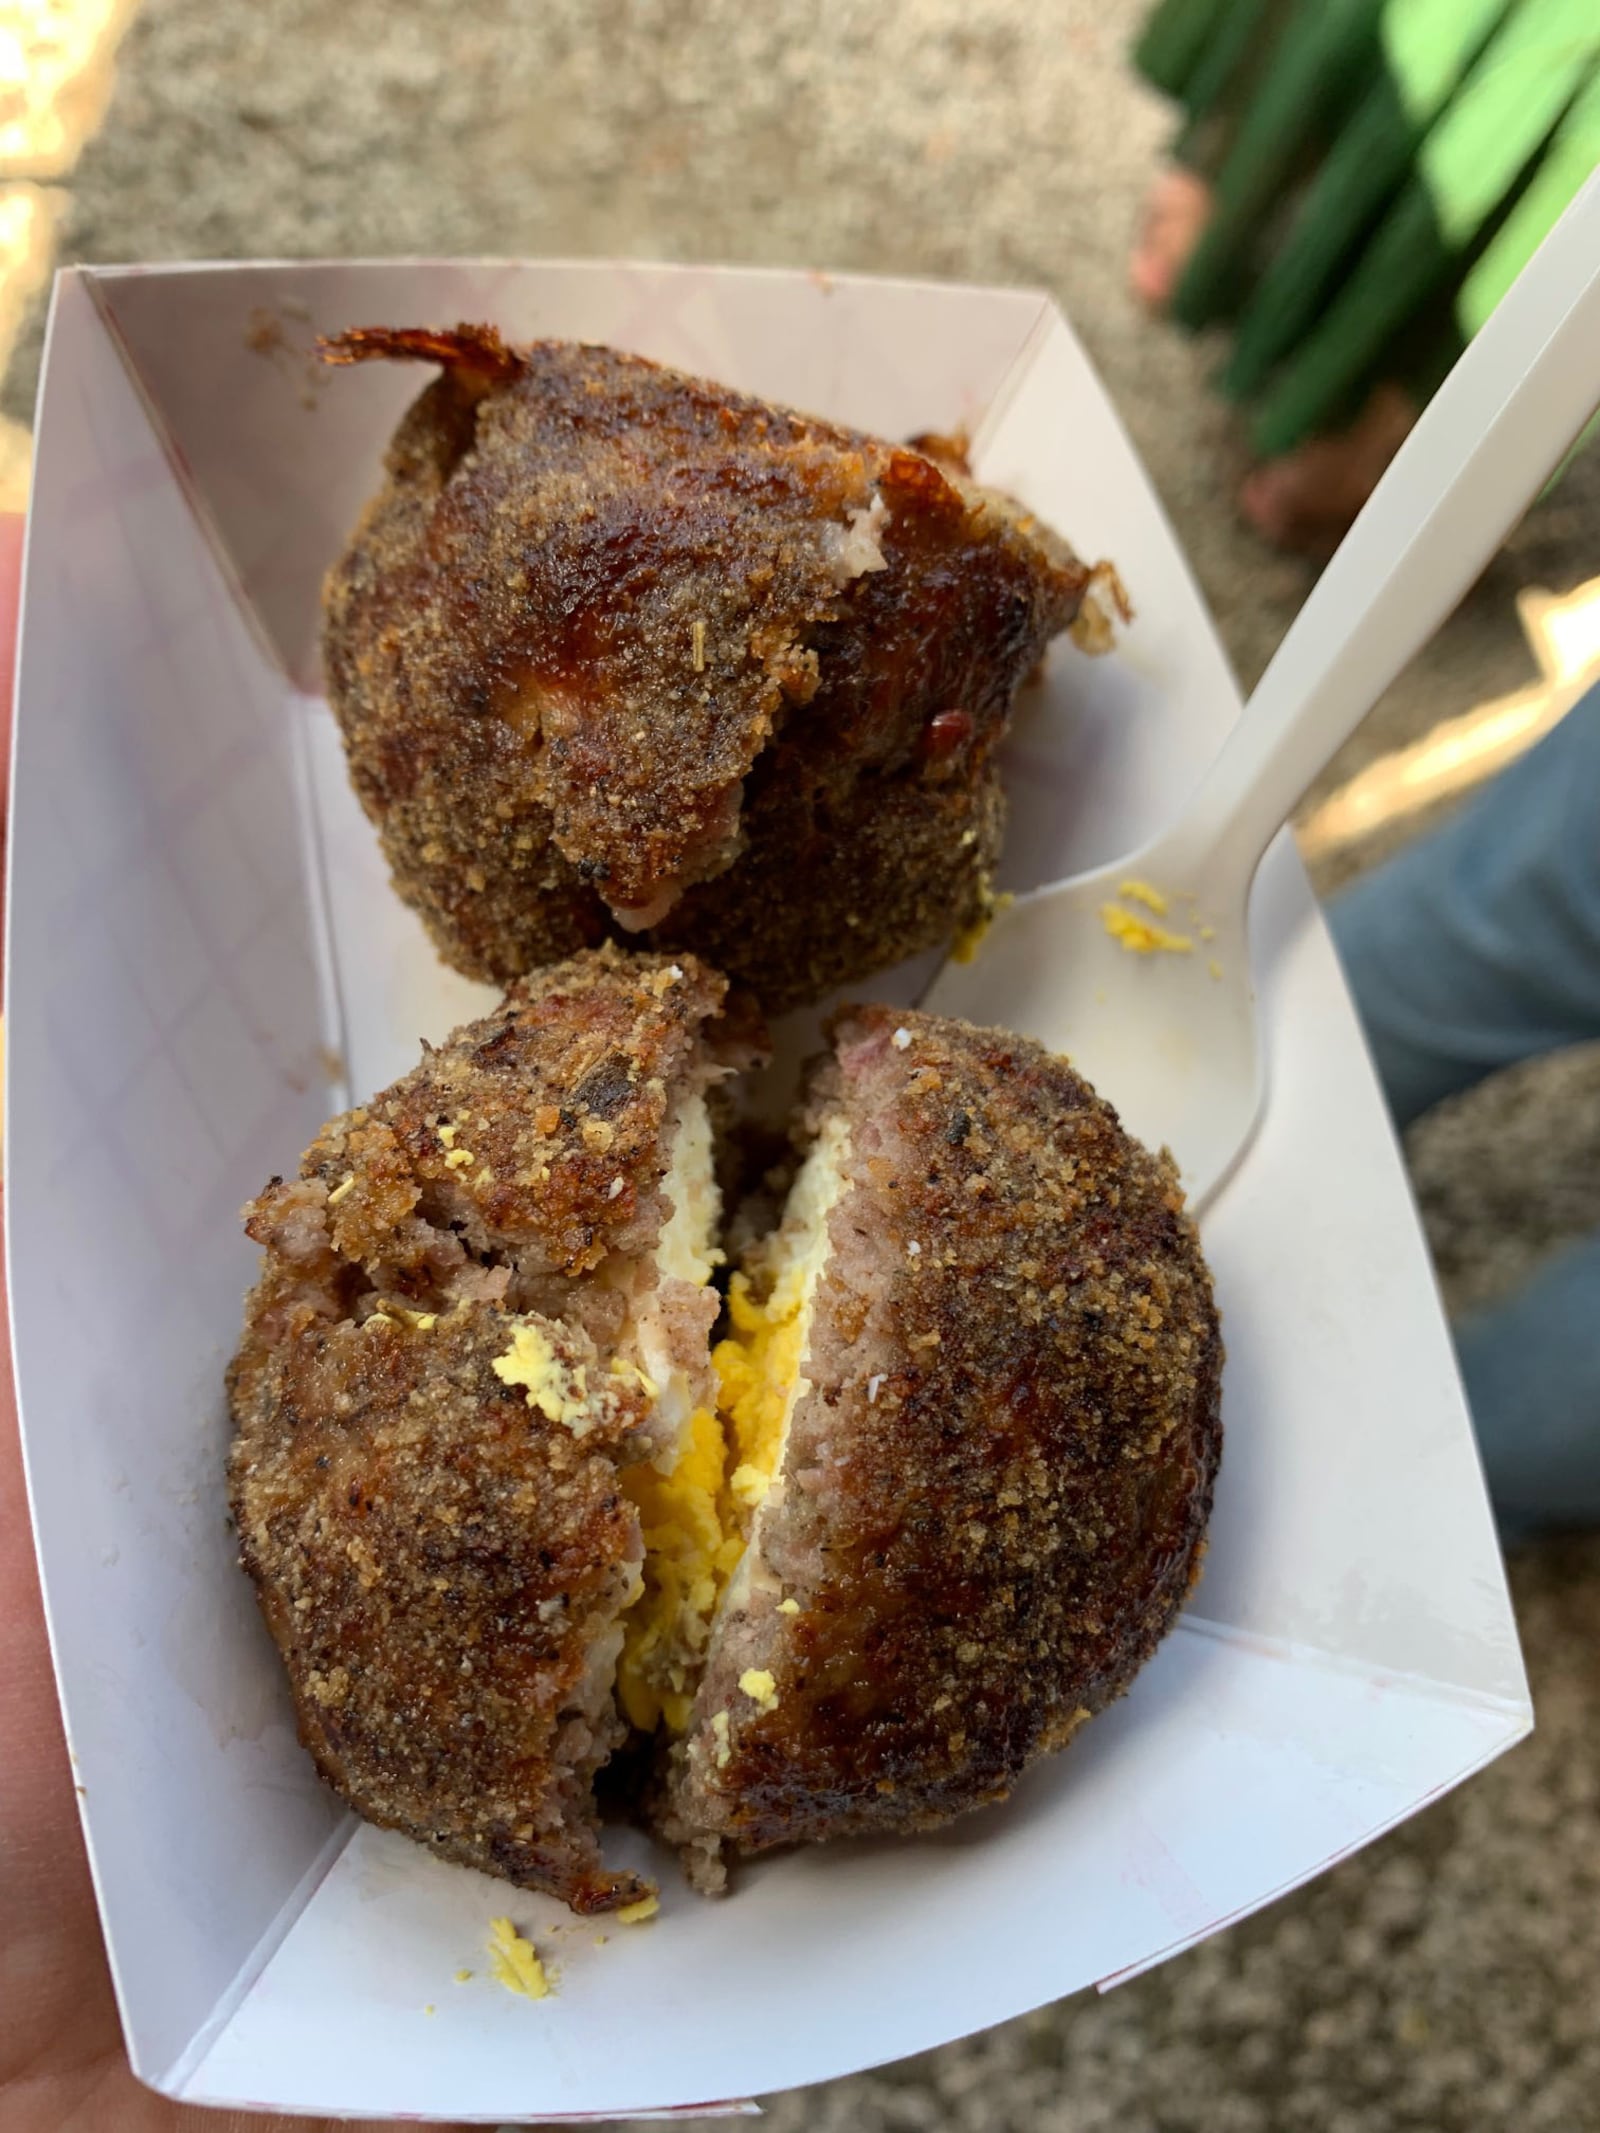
x,y
1171,1036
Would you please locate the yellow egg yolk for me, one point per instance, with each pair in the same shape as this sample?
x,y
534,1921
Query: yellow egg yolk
x,y
1146,893
700,1500
558,1389
515,1961
689,1556
1141,936
756,1370
696,1519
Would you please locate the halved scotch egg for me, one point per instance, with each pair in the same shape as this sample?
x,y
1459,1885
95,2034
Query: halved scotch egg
x,y
926,1504
976,1383
483,1312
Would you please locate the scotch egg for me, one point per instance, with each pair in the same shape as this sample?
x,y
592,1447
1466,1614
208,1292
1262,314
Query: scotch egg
x,y
976,1373
843,1549
618,652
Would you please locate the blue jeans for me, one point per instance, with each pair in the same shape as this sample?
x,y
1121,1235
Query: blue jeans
x,y
1474,948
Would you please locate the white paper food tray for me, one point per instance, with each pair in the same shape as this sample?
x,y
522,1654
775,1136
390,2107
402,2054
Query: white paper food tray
x,y
205,956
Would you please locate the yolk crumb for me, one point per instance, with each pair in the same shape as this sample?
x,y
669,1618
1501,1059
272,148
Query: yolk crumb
x,y
559,1391
1139,936
631,1374
1144,892
516,1961
760,1687
419,1321
635,1914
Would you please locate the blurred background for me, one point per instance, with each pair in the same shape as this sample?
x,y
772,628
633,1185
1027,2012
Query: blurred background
x,y
1450,1976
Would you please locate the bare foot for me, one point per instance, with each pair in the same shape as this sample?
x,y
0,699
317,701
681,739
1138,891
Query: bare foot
x,y
1308,499
1176,211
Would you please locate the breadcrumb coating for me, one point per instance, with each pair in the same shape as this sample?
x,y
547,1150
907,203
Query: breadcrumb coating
x,y
615,650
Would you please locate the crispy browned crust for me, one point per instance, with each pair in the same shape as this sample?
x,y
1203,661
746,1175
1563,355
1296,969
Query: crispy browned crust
x,y
440,1564
473,354
593,644
559,1096
996,1492
436,1563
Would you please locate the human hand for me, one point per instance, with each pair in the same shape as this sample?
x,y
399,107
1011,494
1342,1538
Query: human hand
x,y
62,2064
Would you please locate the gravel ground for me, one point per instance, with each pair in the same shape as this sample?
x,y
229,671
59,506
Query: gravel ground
x,y
1450,1976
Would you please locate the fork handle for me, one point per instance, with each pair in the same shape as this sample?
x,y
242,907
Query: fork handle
x,y
1485,445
